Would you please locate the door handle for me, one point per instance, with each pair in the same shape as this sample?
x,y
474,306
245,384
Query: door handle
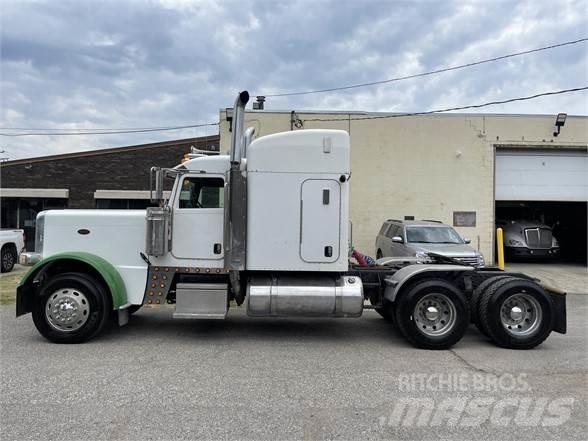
x,y
326,196
217,248
328,251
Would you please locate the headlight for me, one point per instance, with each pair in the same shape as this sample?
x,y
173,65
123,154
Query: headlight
x,y
423,257
554,242
40,232
481,261
515,243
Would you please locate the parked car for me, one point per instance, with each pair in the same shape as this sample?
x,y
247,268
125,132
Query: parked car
x,y
416,238
528,239
11,245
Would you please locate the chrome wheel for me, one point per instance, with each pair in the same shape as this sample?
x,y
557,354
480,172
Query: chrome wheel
x,y
67,309
7,260
435,315
521,314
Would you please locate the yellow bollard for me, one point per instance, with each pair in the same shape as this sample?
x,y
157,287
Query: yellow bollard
x,y
500,248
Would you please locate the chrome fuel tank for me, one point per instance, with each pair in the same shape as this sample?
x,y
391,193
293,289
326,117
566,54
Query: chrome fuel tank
x,y
304,296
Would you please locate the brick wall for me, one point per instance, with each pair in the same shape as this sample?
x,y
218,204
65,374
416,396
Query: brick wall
x,y
84,173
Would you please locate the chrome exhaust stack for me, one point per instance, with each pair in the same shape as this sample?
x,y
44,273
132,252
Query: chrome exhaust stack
x,y
235,233
238,122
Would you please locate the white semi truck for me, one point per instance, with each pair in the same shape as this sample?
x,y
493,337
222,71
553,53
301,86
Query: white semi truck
x,y
267,227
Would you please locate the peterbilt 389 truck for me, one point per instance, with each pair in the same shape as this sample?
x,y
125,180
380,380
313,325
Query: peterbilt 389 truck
x,y
266,228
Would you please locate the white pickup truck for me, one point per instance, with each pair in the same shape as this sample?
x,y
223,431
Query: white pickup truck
x,y
11,245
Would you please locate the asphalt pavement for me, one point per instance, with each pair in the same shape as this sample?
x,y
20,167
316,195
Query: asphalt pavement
x,y
284,379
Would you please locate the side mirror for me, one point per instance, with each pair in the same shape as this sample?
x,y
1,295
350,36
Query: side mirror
x,y
466,240
398,239
156,185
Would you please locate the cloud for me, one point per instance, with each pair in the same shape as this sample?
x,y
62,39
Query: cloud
x,y
176,62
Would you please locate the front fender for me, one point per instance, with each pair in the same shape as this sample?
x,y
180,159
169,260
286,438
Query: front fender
x,y
400,278
111,277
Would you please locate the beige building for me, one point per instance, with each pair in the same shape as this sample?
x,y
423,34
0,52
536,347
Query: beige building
x,y
462,169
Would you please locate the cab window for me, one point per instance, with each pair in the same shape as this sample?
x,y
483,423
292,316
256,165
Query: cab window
x,y
197,192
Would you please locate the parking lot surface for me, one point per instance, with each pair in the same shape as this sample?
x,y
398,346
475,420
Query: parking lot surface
x,y
569,277
282,379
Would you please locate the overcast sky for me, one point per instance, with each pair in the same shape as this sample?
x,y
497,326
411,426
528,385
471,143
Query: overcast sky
x,y
111,64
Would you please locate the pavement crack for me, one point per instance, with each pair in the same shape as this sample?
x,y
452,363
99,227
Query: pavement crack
x,y
470,365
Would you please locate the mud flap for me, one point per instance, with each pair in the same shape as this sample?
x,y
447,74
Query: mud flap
x,y
558,300
24,298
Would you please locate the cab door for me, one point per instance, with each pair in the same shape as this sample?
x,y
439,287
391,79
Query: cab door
x,y
198,218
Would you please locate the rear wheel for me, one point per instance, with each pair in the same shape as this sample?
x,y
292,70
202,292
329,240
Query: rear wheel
x,y
516,313
477,296
432,314
7,259
71,308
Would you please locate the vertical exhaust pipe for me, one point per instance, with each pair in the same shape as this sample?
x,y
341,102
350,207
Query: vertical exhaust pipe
x,y
235,234
238,122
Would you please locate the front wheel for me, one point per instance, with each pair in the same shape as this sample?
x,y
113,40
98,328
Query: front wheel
x,y
71,308
432,314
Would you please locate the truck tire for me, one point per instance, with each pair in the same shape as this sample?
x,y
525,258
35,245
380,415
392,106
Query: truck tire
x,y
71,308
516,313
477,295
7,258
432,314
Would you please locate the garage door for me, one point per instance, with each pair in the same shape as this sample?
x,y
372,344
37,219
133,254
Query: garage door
x,y
541,175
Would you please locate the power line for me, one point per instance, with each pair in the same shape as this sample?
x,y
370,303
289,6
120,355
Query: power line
x,y
450,109
397,115
424,74
107,131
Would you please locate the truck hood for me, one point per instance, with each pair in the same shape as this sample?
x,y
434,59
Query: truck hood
x,y
116,235
447,249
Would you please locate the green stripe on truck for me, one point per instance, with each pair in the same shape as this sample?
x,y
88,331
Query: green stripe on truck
x,y
108,272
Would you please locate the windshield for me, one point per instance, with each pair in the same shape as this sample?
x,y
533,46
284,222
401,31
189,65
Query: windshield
x,y
432,235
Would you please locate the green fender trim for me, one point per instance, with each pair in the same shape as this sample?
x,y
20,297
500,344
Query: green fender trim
x,y
108,272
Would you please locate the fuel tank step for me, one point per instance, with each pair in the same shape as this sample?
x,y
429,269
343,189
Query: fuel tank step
x,y
201,301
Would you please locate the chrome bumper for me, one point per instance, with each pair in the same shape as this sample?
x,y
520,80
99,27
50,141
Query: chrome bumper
x,y
29,259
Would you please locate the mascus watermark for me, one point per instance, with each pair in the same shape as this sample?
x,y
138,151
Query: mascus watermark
x,y
472,412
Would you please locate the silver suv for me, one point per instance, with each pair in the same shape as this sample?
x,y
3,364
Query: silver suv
x,y
416,238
